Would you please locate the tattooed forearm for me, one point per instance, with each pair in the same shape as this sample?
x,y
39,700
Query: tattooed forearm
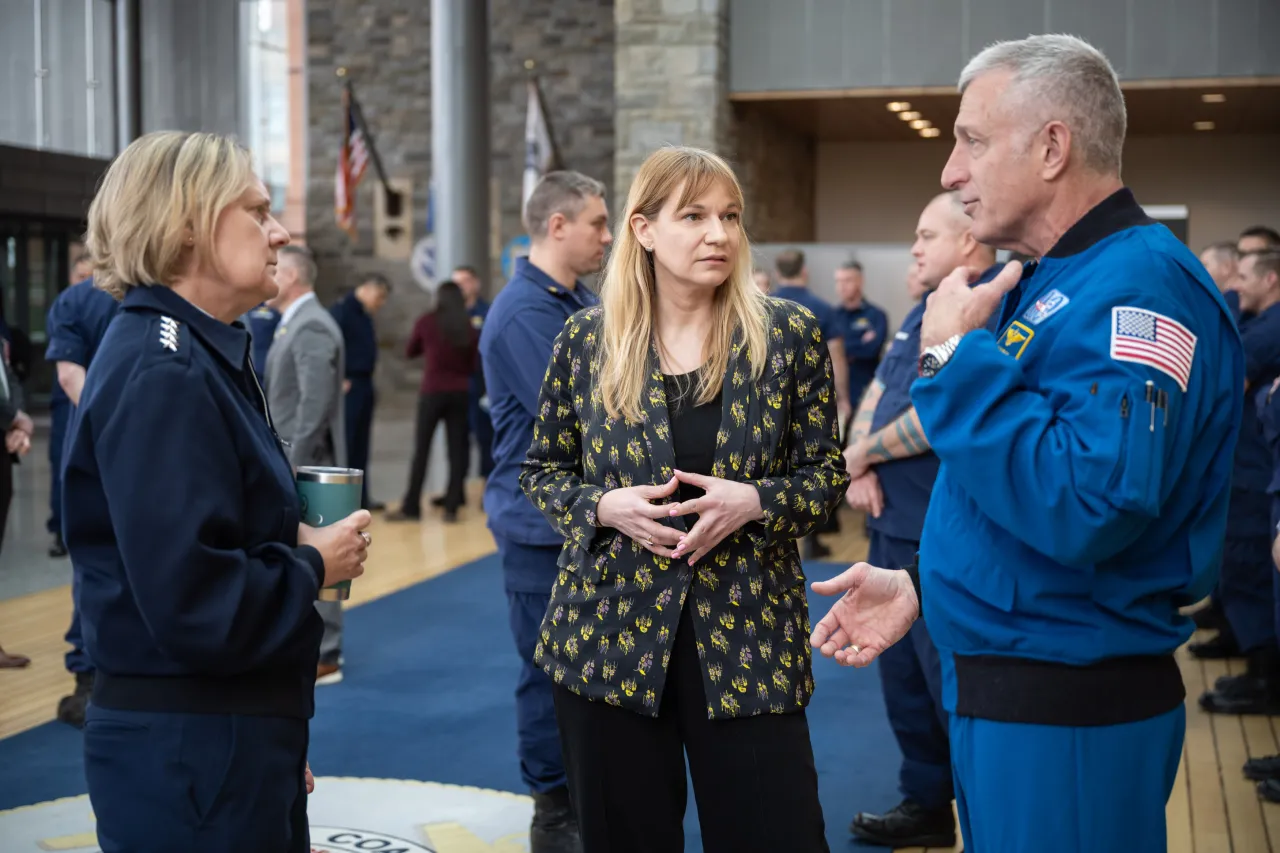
x,y
902,438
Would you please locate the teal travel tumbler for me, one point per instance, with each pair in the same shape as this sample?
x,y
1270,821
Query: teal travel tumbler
x,y
328,495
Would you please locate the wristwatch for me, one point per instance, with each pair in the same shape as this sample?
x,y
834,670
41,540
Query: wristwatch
x,y
934,357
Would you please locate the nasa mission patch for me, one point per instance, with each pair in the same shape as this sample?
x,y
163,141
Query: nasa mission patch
x,y
347,816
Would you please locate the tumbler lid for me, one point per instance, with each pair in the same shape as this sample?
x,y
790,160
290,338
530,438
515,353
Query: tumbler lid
x,y
324,474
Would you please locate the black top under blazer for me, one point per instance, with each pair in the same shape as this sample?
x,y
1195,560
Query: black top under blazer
x,y
615,606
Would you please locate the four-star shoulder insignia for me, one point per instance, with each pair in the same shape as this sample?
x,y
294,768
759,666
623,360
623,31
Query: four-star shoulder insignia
x,y
169,333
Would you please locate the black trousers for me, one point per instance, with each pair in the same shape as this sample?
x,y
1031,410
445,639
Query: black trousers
x,y
753,778
450,407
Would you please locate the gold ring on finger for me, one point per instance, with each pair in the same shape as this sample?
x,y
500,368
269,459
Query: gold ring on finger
x,y
368,540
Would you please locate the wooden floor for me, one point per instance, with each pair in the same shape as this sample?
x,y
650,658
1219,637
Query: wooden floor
x,y
1213,808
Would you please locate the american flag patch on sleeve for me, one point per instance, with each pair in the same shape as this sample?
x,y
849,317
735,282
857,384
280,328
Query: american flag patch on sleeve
x,y
1145,337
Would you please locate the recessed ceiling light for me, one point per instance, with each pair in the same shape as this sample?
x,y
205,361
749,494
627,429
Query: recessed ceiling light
x,y
909,116
920,123
898,106
1213,98
1203,125
929,132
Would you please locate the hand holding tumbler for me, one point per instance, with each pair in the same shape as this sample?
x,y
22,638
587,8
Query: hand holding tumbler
x,y
327,496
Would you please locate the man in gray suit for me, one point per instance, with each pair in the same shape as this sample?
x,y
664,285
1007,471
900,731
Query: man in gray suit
x,y
304,376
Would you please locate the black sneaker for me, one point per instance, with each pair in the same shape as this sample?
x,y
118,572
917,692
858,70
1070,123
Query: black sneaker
x,y
1262,769
907,824
1243,695
555,827
58,548
1270,790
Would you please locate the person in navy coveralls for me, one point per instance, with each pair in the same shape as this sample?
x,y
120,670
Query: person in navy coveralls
x,y
863,327
77,322
568,226
354,313
1086,454
478,421
198,587
895,469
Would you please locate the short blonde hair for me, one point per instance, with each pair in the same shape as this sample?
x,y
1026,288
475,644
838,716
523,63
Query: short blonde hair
x,y
161,185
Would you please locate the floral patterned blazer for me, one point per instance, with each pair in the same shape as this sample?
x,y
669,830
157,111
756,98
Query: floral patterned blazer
x,y
615,606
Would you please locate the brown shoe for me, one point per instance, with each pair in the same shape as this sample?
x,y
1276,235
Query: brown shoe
x,y
8,661
328,673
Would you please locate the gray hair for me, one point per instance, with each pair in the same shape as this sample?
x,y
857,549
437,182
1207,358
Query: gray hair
x,y
558,192
303,261
1071,81
1223,251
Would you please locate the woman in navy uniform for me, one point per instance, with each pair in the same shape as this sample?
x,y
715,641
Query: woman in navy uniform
x,y
679,628
198,581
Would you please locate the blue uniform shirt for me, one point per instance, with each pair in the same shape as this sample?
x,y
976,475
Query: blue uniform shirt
x,y
477,313
1071,517
906,483
77,321
261,322
817,305
358,335
515,348
1250,513
181,515
863,329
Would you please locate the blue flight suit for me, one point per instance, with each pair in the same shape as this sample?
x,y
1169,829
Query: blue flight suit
x,y
515,350
863,329
910,670
77,322
1245,586
197,602
362,357
261,322
1070,520
478,419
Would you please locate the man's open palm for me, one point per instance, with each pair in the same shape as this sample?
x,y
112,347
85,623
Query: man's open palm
x,y
875,611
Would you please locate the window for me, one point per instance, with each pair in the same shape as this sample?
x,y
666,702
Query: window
x,y
59,76
266,89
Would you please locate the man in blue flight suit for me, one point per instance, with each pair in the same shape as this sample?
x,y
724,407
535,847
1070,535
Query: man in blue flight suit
x,y
568,227
793,284
1245,586
261,323
1086,470
77,321
894,470
354,314
863,327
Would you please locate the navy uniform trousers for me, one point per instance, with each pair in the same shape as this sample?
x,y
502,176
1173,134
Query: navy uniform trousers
x,y
911,677
358,404
524,567
198,783
1245,591
60,411
482,429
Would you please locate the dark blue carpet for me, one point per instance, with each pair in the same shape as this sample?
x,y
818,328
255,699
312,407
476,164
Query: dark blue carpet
x,y
428,695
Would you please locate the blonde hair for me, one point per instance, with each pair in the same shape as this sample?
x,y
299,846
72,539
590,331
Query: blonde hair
x,y
629,289
160,186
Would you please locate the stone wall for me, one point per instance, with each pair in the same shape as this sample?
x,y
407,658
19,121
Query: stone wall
x,y
777,167
671,80
385,45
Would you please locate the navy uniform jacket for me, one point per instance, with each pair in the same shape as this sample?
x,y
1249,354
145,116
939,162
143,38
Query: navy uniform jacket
x,y
1250,512
181,515
1267,406
1072,517
862,353
77,321
515,349
261,322
478,312
359,336
817,306
906,484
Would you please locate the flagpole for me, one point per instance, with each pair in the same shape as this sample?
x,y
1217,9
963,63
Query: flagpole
x,y
393,197
531,67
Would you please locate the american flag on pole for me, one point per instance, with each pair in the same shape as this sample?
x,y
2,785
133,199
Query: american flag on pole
x,y
353,160
1145,337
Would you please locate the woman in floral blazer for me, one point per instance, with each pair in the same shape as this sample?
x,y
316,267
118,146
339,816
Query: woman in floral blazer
x,y
683,626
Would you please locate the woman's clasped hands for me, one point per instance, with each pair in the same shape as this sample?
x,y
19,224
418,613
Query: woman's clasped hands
x,y
725,507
